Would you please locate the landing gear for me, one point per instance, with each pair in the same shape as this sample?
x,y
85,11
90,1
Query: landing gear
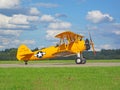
x,y
80,59
26,62
83,60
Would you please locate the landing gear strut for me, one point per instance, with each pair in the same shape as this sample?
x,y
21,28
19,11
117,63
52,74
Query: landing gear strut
x,y
80,59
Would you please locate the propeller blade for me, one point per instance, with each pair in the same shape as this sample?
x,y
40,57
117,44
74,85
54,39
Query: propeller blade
x,y
90,37
92,44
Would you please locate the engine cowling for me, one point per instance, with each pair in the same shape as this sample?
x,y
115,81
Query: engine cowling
x,y
87,44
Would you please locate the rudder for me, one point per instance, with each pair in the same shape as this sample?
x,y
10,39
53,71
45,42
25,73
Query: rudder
x,y
23,51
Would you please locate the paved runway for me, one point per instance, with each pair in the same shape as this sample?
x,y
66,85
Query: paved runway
x,y
60,65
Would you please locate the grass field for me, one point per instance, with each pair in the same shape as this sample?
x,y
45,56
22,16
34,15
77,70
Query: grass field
x,y
83,78
60,78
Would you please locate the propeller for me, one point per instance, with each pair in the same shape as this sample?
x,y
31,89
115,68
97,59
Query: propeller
x,y
92,44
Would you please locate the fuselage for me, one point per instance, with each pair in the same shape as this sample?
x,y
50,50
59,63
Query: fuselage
x,y
52,51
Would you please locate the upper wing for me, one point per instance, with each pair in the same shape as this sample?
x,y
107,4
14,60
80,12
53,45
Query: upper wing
x,y
68,35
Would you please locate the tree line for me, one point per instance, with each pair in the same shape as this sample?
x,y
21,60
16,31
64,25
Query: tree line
x,y
10,54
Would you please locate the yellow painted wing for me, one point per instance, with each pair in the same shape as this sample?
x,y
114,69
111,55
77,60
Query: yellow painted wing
x,y
63,54
68,34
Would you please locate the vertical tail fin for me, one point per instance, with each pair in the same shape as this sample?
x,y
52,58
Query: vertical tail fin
x,y
23,52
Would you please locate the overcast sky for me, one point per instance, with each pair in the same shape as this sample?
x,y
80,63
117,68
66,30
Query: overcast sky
x,y
36,22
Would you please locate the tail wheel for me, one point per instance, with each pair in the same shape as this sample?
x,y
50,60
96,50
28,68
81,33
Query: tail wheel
x,y
26,62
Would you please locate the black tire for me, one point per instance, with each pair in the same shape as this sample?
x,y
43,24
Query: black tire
x,y
83,60
78,60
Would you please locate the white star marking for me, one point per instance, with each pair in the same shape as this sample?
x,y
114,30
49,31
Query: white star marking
x,y
40,54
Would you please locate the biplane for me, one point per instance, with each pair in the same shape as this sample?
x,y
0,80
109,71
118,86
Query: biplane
x,y
70,43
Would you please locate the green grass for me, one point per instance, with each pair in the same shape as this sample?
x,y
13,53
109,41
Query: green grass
x,y
58,61
72,78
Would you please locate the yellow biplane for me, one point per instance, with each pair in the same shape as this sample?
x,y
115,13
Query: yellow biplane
x,y
69,44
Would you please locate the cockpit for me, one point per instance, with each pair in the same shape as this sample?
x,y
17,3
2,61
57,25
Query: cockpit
x,y
67,38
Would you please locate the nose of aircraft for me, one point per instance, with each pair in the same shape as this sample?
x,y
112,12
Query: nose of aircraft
x,y
87,43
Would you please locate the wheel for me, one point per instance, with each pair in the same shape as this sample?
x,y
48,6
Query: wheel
x,y
83,60
78,60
